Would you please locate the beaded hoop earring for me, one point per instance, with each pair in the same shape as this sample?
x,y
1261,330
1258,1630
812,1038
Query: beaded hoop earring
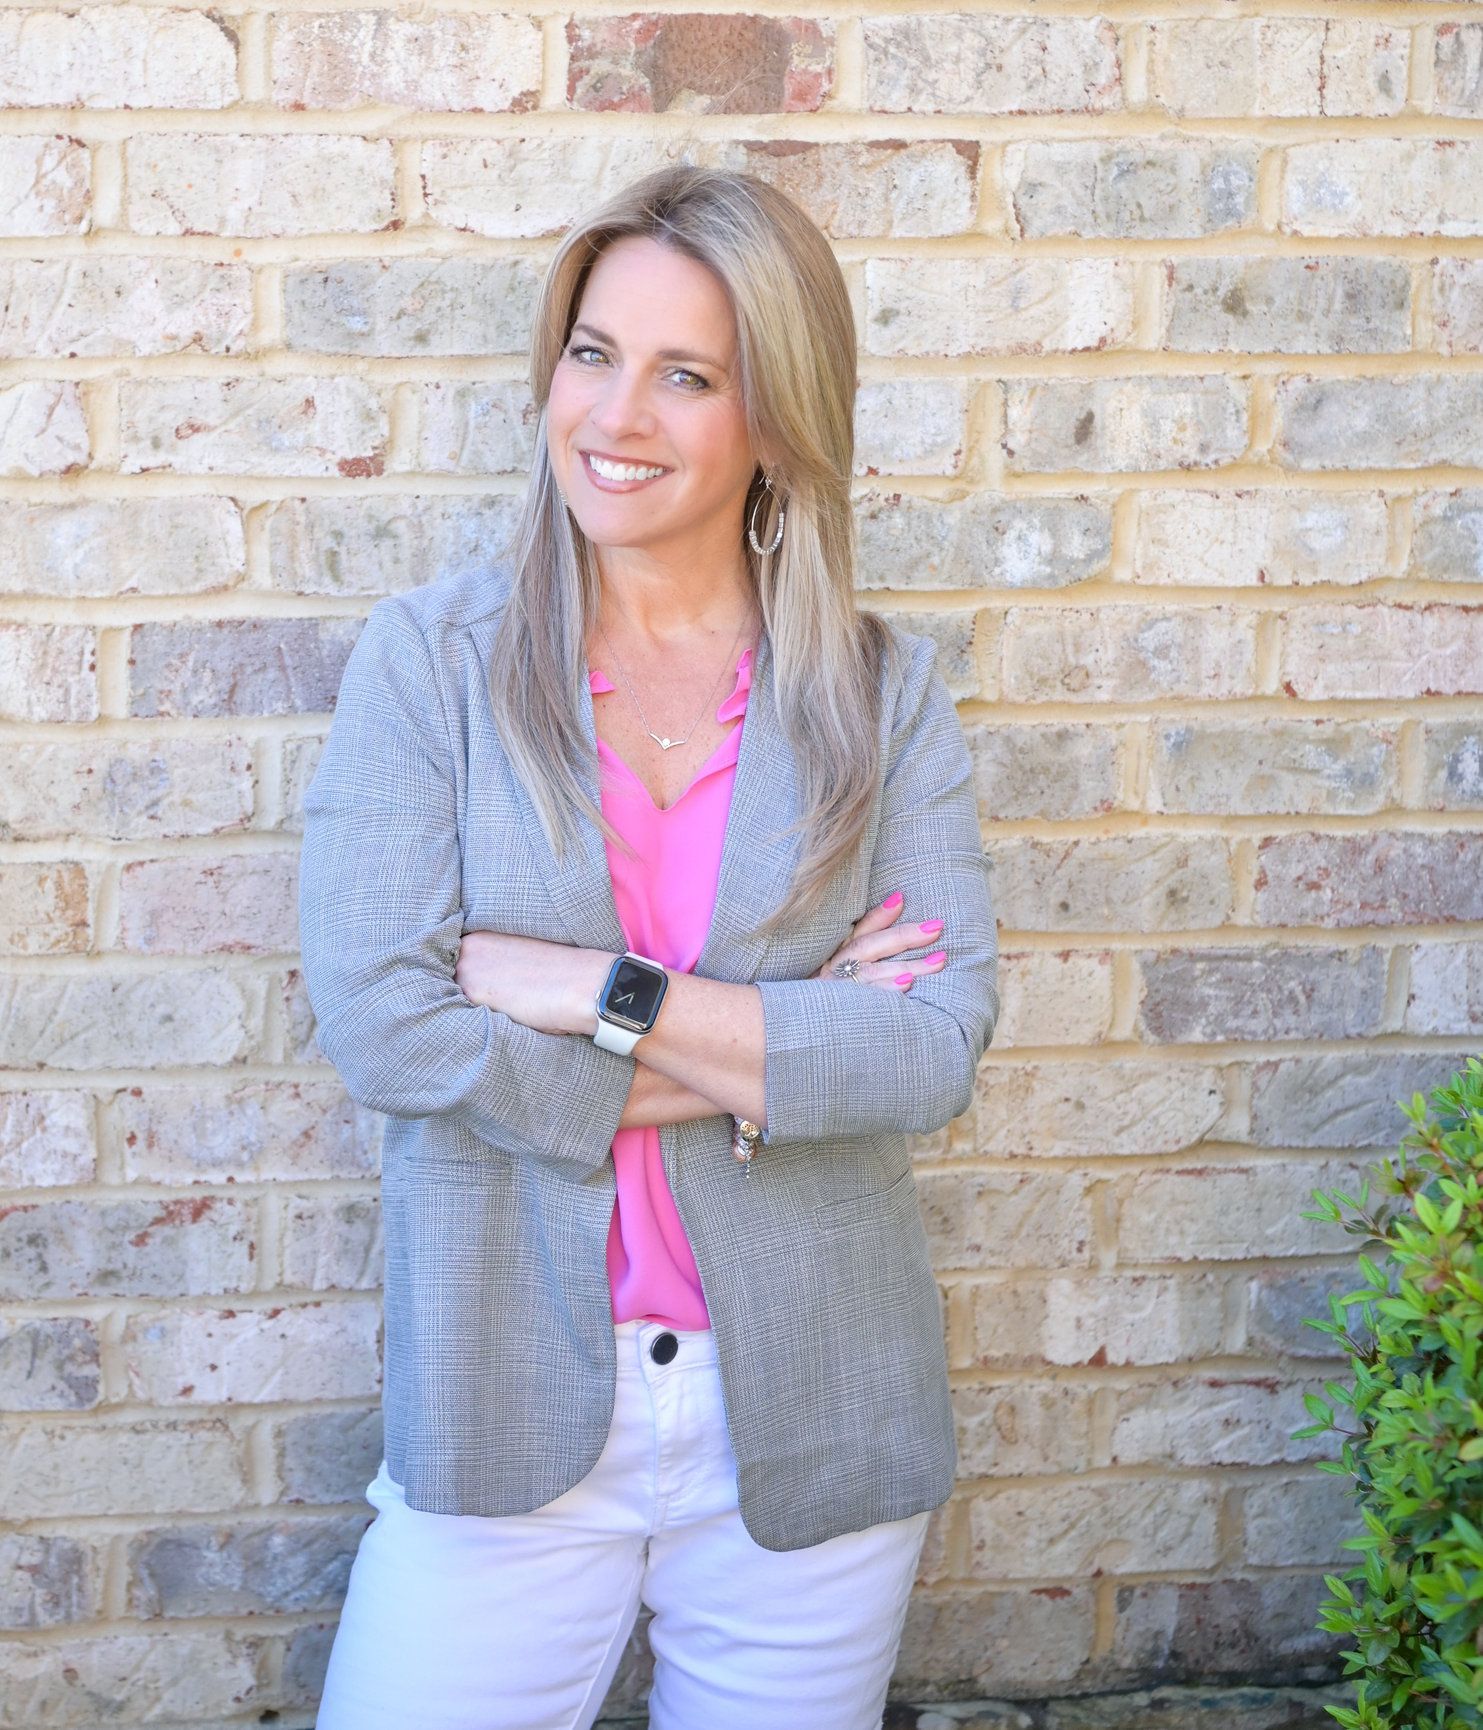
x,y
777,539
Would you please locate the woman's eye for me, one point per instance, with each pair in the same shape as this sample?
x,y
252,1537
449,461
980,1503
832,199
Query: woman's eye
x,y
579,348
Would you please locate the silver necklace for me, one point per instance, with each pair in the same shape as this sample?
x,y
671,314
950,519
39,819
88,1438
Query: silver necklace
x,y
659,738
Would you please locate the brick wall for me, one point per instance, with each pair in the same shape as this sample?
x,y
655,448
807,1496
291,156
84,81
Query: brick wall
x,y
1170,432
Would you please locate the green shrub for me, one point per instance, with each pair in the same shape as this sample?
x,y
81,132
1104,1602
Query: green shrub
x,y
1413,1443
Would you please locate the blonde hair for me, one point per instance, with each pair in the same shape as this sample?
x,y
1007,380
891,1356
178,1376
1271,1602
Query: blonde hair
x,y
797,357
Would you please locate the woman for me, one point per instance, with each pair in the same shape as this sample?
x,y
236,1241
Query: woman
x,y
584,866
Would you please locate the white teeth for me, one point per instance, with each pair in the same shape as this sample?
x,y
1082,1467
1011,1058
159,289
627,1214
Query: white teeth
x,y
621,471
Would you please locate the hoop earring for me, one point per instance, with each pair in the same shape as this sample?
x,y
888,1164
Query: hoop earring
x,y
777,539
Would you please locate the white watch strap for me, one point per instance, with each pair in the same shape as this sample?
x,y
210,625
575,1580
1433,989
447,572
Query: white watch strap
x,y
619,1039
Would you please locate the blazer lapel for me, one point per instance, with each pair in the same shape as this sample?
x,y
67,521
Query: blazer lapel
x,y
756,867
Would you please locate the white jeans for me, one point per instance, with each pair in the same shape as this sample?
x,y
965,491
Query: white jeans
x,y
470,1622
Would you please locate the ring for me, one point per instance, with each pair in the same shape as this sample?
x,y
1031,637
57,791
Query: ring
x,y
847,969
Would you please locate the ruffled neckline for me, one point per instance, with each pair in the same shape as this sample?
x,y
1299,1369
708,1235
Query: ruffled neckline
x,y
722,757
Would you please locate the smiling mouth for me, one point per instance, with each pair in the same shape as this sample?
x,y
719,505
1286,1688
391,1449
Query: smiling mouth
x,y
608,486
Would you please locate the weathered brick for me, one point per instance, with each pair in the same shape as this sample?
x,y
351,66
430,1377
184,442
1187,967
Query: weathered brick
x,y
981,541
42,428
48,1579
44,911
1277,66
143,1248
1373,186
259,426
1280,1301
1302,992
1290,305
103,547
1023,1429
1214,1421
48,673
267,1131
48,1363
1457,68
1079,1110
659,62
1404,422
381,546
965,63
1184,1630
867,187
238,666
1129,189
118,305
310,1351
151,1677
475,426
1457,317
1446,989
1277,765
997,305
410,306
1340,1100
100,57
98,1019
1394,877
528,185
1053,997
332,1243
281,1567
1065,769
956,635
440,61
329,1455
46,1137
1107,1528
1111,883
1229,1212
1111,425
1249,536
1452,754
1127,654
1301,1522
145,1466
243,904
1101,1319
1382,651
1447,537
983,1219
258,184
127,789
45,185
909,426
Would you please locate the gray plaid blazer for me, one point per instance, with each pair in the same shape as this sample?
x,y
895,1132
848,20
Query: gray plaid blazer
x,y
497,1177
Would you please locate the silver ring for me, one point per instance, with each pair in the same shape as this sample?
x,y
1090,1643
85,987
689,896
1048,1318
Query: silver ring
x,y
847,969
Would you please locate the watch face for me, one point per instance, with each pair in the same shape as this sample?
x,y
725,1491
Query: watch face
x,y
634,993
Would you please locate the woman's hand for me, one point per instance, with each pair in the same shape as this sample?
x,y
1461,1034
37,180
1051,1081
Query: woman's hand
x,y
549,986
876,938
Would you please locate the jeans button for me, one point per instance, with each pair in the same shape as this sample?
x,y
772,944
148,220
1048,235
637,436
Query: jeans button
x,y
664,1348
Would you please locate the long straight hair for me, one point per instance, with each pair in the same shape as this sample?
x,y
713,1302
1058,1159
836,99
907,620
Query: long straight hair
x,y
797,358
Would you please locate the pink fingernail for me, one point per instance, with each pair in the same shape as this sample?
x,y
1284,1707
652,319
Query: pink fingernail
x,y
936,956
903,979
893,899
930,925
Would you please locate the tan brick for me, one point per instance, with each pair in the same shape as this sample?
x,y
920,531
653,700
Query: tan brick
x,y
1388,878
659,62
1291,305
99,1247
910,426
263,426
109,57
1214,1421
127,789
1088,1110
526,186
1374,186
245,904
997,305
981,541
100,1019
1405,422
1023,1429
332,1243
1264,1626
310,1351
1229,1212
1054,771
46,1137
243,1569
1301,1522
49,1364
1242,537
239,666
438,61
1129,189
48,673
1382,651
1445,994
861,188
962,63
104,547
48,1579
45,185
1096,1320
1280,1301
152,1677
1054,1530
42,428
475,427
1125,654
1340,1099
1457,68
1297,992
1457,284
380,546
1111,883
171,1465
1305,767
258,184
1277,66
1112,425
983,1219
996,1641
1447,538
44,909
410,306
1053,997
266,1131
121,306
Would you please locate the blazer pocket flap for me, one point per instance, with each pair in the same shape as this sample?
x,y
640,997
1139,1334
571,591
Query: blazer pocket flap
x,y
852,1209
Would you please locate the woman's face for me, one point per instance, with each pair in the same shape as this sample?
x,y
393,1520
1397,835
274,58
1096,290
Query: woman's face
x,y
648,377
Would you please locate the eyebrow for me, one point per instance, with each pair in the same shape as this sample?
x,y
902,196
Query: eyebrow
x,y
660,354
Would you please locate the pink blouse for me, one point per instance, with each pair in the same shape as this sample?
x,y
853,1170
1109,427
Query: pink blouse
x,y
664,899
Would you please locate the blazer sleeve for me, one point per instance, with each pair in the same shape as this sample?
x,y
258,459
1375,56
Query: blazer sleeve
x,y
381,918
844,1059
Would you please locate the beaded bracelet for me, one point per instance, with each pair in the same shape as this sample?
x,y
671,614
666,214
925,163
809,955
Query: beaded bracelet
x,y
745,1139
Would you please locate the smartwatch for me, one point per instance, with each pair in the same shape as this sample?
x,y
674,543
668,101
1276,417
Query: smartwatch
x,y
628,1004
